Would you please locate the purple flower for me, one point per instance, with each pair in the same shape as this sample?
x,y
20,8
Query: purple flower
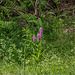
x,y
41,31
38,37
34,38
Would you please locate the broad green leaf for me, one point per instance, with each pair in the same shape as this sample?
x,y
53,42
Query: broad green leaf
x,y
50,12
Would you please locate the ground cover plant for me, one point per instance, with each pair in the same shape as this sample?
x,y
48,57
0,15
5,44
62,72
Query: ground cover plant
x,y
35,40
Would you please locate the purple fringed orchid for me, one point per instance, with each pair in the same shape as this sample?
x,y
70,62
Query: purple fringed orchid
x,y
41,31
34,39
38,37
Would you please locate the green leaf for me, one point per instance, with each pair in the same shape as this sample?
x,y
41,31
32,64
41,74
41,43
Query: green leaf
x,y
66,11
2,22
40,22
55,1
39,53
34,56
50,12
24,15
34,21
73,22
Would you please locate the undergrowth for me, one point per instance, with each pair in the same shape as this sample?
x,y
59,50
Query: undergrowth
x,y
20,55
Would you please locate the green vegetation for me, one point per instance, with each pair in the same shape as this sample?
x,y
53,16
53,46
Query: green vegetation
x,y
19,55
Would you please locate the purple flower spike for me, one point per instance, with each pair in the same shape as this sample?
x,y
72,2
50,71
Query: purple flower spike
x,y
38,37
41,31
34,38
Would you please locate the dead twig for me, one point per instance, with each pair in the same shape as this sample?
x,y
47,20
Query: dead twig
x,y
1,2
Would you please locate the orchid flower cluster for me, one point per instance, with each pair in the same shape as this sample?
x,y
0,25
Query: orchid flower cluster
x,y
39,35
